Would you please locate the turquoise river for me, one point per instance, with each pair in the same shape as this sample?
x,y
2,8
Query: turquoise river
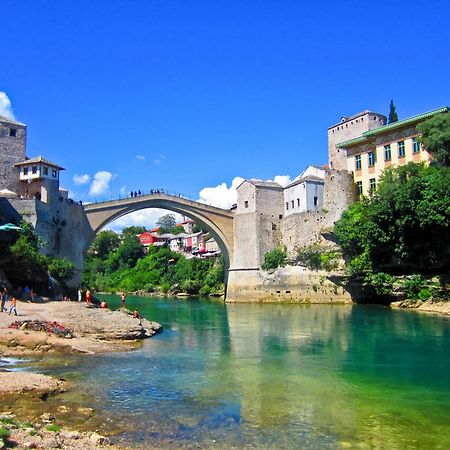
x,y
270,377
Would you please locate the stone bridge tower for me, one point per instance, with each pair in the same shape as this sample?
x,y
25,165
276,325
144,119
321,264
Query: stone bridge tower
x,y
12,151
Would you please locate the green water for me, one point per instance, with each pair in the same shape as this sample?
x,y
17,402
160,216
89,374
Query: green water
x,y
273,376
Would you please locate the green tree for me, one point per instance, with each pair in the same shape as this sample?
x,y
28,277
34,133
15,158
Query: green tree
x,y
404,227
129,251
274,258
177,230
104,243
393,117
61,270
132,231
166,223
435,136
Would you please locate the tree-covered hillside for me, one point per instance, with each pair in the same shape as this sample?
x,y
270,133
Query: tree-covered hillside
x,y
116,262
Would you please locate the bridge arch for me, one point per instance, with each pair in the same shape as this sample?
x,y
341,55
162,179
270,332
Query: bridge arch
x,y
216,220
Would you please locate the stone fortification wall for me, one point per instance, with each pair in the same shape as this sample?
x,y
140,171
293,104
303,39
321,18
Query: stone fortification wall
x,y
303,229
12,151
256,223
292,284
62,225
339,193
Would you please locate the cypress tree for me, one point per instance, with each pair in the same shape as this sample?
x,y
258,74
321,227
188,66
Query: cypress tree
x,y
393,117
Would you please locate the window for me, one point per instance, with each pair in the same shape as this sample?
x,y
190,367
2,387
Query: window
x,y
372,159
359,188
298,202
387,152
45,170
34,169
358,162
12,132
25,170
54,173
292,204
372,185
401,149
246,204
287,205
316,201
416,146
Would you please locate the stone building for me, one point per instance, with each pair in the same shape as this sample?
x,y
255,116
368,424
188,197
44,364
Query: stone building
x,y
13,136
39,178
371,152
350,128
305,193
257,217
39,199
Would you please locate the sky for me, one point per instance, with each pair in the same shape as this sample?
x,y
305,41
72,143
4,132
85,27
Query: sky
x,y
194,96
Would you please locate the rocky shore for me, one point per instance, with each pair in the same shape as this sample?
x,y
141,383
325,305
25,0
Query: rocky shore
x,y
429,306
86,330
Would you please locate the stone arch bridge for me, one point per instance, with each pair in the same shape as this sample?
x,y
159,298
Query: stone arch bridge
x,y
217,220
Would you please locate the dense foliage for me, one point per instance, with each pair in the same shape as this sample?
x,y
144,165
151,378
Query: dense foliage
x,y
404,227
124,267
23,264
435,136
274,258
315,257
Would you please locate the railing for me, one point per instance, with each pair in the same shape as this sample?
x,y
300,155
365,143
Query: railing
x,y
111,198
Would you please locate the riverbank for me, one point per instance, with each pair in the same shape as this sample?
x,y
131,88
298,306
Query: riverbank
x,y
429,306
93,330
86,330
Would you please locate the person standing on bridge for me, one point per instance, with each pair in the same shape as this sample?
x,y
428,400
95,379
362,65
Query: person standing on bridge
x,y
139,192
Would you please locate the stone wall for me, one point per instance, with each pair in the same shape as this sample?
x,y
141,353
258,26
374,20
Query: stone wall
x,y
339,193
256,227
12,151
292,284
349,128
303,229
62,225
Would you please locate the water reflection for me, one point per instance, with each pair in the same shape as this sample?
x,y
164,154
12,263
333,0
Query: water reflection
x,y
274,376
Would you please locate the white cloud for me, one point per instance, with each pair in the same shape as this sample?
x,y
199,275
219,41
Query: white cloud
x,y
123,190
144,217
221,196
159,159
282,180
100,183
140,157
81,179
5,106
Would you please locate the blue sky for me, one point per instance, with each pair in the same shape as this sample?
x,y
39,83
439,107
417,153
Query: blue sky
x,y
184,95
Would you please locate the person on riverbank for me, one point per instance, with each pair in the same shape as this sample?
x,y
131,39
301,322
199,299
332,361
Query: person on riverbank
x,y
122,299
80,295
13,306
88,298
5,297
2,302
